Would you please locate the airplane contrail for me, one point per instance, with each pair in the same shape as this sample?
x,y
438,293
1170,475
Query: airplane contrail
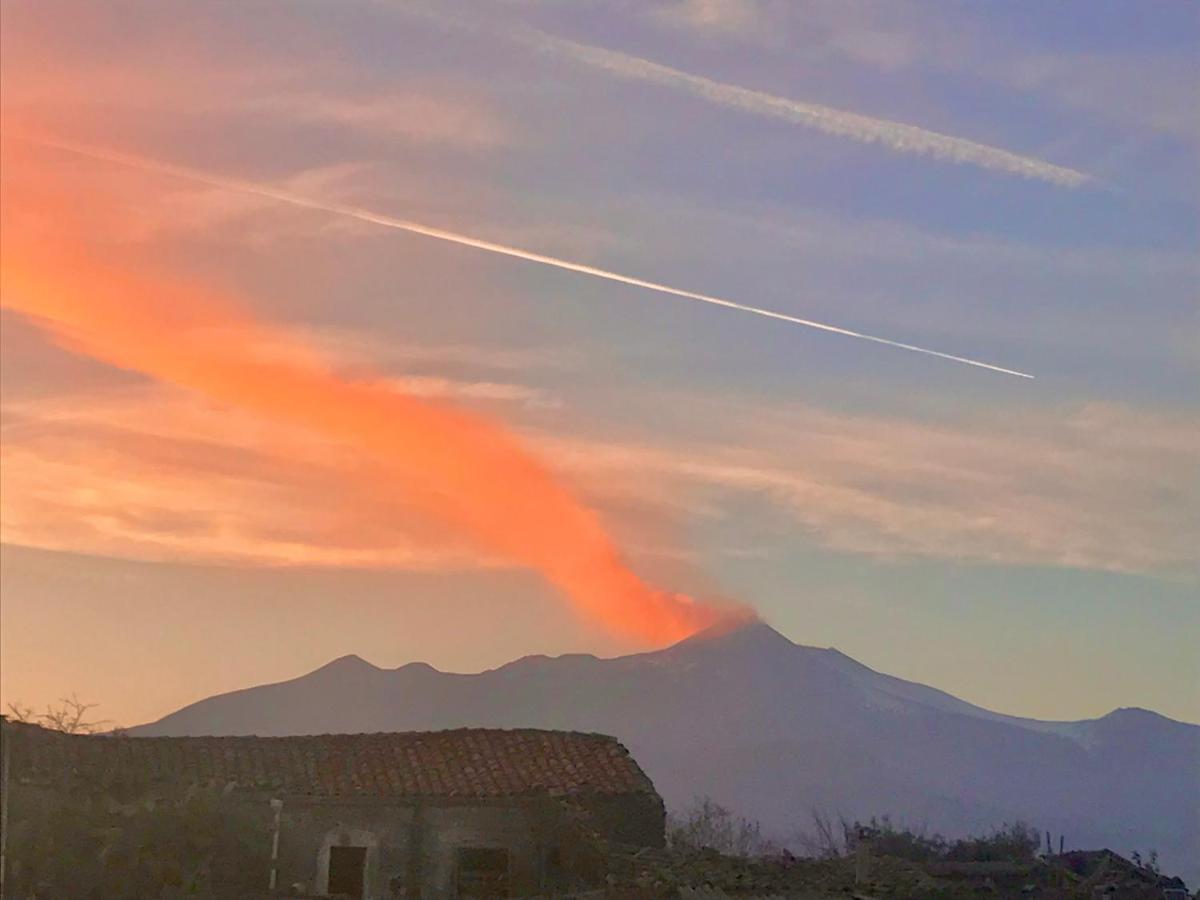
x,y
386,221
898,136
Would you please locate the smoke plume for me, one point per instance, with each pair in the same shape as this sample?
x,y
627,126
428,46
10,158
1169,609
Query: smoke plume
x,y
459,467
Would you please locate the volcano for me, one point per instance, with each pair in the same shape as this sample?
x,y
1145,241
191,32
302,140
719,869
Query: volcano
x,y
775,730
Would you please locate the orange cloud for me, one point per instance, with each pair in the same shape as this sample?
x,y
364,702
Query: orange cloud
x,y
159,474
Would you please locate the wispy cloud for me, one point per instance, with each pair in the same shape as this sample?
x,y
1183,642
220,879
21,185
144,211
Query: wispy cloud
x,y
1157,93
149,473
742,18
60,85
1153,90
350,347
897,136
427,117
1100,486
155,474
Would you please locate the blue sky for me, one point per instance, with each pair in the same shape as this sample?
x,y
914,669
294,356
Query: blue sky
x,y
1028,545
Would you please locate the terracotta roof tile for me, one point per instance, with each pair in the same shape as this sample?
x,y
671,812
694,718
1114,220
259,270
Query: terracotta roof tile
x,y
459,763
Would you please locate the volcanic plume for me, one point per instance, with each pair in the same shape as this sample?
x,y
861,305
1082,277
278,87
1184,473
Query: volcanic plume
x,y
462,468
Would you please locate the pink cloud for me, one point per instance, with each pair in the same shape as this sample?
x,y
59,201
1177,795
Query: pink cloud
x,y
152,474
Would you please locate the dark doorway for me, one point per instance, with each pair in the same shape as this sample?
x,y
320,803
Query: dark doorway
x,y
347,868
482,872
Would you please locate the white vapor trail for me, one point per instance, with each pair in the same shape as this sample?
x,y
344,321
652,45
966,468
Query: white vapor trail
x,y
897,136
366,215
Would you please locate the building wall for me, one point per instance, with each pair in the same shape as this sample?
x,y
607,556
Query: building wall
x,y
414,843
307,832
518,829
639,819
409,843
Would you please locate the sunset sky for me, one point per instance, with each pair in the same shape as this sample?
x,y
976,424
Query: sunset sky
x,y
242,437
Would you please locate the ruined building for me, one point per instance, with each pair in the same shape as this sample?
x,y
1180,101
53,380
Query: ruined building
x,y
463,813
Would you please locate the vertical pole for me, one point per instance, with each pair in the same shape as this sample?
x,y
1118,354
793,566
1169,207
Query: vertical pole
x,y
862,856
5,735
414,868
276,805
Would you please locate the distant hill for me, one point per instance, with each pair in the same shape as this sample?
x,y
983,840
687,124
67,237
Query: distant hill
x,y
773,729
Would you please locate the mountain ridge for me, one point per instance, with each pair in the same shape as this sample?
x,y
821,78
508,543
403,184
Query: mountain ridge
x,y
756,631
774,730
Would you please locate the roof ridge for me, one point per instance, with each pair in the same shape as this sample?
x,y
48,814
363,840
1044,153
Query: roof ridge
x,y
458,762
599,735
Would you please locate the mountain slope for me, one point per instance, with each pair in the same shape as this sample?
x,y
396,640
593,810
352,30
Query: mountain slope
x,y
774,730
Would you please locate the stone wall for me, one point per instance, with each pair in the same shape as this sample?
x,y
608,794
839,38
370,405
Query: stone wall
x,y
419,843
638,819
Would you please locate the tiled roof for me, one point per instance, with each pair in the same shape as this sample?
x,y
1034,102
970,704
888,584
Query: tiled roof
x,y
465,762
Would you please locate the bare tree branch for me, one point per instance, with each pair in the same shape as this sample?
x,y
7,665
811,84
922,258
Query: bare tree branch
x,y
69,717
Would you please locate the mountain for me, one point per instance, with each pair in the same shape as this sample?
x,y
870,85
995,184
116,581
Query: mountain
x,y
774,730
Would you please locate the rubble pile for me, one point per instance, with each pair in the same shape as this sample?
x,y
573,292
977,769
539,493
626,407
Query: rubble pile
x,y
648,874
1102,873
662,873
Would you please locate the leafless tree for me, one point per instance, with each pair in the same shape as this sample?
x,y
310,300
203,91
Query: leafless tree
x,y
823,838
709,825
19,712
70,716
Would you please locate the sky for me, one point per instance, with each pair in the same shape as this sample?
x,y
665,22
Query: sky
x,y
250,426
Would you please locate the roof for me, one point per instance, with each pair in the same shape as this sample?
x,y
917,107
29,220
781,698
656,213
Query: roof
x,y
462,763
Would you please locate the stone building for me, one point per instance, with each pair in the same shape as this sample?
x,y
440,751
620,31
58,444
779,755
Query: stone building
x,y
462,813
